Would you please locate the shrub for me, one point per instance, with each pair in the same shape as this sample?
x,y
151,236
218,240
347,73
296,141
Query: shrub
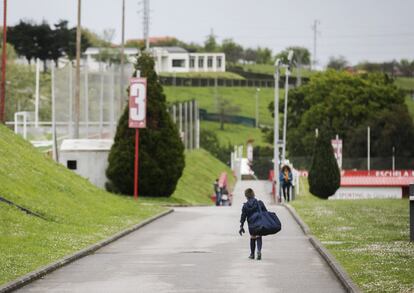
x,y
324,176
161,152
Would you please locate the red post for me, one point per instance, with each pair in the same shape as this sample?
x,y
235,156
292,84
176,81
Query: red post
x,y
136,163
3,66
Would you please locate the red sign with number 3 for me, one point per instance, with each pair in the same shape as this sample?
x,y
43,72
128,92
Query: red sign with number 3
x,y
137,102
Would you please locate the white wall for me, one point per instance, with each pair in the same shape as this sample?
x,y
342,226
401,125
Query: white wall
x,y
90,164
367,192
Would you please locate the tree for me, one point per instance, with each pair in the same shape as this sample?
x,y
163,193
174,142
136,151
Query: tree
x,y
226,108
324,176
233,51
21,37
161,152
406,67
210,45
337,63
250,55
342,103
264,56
301,55
210,142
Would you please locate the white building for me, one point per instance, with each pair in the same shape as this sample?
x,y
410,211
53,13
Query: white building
x,y
87,157
176,59
91,56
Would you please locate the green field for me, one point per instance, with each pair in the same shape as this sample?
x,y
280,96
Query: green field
x,y
244,97
220,75
270,69
410,104
74,213
235,134
370,238
406,83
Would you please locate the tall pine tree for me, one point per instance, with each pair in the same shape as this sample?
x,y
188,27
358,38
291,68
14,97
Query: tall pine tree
x,y
324,176
161,152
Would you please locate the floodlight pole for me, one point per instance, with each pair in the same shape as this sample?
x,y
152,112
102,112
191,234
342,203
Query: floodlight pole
x,y
121,99
276,132
287,74
77,81
3,65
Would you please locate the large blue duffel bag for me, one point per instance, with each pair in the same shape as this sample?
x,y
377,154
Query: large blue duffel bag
x,y
264,223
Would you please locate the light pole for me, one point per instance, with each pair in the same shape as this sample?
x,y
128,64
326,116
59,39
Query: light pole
x,y
276,131
257,107
77,78
121,83
3,66
287,73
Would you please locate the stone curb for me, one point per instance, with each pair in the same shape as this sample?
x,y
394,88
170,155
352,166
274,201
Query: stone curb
x,y
340,273
32,276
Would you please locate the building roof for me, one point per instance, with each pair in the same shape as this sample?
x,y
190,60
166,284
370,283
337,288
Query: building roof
x,y
73,145
95,50
172,49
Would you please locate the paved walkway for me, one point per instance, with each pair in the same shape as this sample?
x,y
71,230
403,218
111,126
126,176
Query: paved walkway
x,y
199,250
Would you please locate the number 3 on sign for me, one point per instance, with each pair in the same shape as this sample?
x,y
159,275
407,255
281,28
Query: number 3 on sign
x,y
137,103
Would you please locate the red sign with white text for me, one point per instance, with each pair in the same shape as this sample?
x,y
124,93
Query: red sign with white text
x,y
138,102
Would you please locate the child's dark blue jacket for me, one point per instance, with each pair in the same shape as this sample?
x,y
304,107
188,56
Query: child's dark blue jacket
x,y
250,207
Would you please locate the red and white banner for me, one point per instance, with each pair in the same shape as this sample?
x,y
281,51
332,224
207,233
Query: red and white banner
x,y
138,102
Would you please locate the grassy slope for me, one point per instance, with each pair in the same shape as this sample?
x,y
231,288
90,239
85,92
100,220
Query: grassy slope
x,y
270,69
78,214
235,134
244,97
196,184
221,75
370,238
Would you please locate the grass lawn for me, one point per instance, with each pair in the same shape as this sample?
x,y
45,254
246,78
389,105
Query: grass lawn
x,y
220,75
196,184
235,134
406,83
244,97
270,69
410,104
370,238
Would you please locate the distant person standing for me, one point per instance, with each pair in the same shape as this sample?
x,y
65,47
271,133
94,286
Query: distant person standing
x,y
217,191
285,178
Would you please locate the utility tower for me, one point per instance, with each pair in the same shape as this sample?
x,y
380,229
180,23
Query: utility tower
x,y
315,36
146,22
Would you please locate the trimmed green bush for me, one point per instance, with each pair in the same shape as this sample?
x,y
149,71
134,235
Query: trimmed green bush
x,y
324,176
161,152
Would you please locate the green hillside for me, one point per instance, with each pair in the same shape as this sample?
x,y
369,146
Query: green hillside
x,y
235,134
196,184
244,97
74,213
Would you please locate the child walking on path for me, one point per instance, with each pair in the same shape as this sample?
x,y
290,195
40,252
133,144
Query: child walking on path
x,y
249,208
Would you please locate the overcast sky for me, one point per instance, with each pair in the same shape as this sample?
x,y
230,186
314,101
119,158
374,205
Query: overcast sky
x,y
376,30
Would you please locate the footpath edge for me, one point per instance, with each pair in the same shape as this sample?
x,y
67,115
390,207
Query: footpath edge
x,y
37,274
340,273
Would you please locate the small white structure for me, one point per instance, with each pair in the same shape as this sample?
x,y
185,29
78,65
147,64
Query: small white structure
x,y
87,157
176,59
92,56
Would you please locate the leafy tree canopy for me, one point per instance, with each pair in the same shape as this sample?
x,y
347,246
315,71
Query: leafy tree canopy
x,y
346,104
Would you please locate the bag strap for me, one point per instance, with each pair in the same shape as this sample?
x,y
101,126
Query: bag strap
x,y
260,208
